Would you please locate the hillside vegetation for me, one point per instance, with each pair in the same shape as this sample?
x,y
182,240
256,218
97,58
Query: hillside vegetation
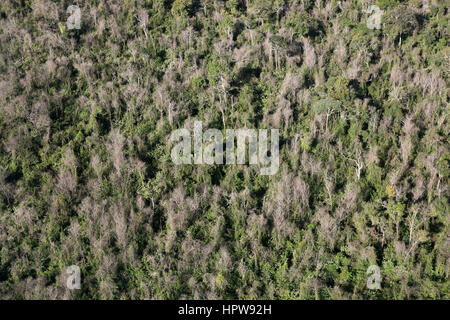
x,y
86,176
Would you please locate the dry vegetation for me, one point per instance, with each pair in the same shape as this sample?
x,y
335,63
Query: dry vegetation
x,y
86,176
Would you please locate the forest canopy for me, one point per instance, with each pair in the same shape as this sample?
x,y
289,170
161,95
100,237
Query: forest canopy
x,y
86,176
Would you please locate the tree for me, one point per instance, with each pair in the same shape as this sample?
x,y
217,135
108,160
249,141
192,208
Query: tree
x,y
400,22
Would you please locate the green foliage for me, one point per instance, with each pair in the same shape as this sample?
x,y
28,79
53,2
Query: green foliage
x,y
400,21
86,176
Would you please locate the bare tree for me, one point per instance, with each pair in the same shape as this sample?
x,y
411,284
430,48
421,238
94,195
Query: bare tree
x,y
359,162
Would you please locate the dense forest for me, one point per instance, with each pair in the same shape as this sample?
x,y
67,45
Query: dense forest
x,y
86,176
